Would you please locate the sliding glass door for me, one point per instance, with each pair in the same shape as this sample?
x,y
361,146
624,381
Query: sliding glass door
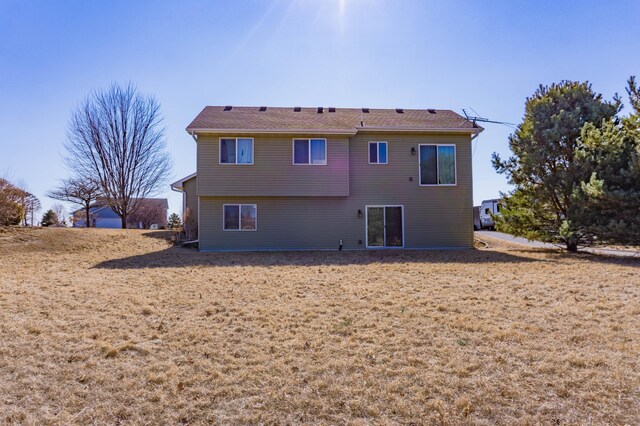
x,y
385,226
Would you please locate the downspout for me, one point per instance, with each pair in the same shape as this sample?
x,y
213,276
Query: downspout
x,y
183,199
194,135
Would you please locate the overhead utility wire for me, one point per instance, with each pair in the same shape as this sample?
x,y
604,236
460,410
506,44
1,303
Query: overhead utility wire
x,y
476,118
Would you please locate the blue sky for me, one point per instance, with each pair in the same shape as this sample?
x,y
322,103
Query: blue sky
x,y
346,53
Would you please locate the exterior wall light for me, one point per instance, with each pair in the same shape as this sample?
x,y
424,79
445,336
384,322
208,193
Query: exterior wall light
x,y
359,213
413,150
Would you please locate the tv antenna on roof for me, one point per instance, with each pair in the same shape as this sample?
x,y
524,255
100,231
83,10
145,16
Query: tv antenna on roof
x,y
475,118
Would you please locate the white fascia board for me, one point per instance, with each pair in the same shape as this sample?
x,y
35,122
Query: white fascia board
x,y
177,185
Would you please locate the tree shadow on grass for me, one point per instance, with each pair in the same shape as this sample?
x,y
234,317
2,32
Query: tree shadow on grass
x,y
176,257
562,255
163,234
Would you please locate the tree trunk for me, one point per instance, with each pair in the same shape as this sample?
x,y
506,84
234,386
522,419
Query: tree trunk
x,y
572,246
124,221
87,211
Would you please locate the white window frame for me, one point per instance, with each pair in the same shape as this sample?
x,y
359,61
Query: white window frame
x,y
293,151
384,219
455,164
239,218
378,151
253,158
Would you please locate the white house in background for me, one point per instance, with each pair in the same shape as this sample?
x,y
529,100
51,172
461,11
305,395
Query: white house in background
x,y
101,217
152,213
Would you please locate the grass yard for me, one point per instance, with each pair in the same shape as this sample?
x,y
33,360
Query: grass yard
x,y
110,326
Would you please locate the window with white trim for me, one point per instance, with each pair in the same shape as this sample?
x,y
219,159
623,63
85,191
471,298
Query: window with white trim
x,y
240,217
310,151
437,165
377,153
236,150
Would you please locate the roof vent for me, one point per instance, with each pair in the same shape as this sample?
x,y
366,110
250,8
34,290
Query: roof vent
x,y
431,111
332,109
297,109
365,110
399,110
227,108
320,110
263,108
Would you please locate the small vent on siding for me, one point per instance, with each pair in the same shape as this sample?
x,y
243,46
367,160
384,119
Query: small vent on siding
x,y
263,108
228,108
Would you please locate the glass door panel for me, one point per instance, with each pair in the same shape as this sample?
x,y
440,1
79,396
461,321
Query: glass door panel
x,y
393,226
375,226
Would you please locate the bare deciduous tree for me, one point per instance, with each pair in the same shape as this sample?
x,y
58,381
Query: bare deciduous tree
x,y
16,204
190,226
11,212
149,211
78,191
31,205
117,137
61,214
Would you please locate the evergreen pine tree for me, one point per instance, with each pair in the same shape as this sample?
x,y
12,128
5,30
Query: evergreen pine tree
x,y
49,218
174,221
608,200
543,167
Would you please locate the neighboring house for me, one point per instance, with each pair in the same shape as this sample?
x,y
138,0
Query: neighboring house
x,y
152,211
330,178
101,217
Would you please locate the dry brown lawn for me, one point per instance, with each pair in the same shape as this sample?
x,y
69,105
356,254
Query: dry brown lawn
x,y
107,327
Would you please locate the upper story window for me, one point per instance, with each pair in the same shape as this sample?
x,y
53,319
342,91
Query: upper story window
x,y
240,217
377,153
437,164
236,150
310,151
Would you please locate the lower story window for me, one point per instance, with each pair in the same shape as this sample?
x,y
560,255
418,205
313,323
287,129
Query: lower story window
x,y
240,217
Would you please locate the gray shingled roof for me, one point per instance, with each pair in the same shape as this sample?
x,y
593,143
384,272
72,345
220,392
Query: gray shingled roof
x,y
343,119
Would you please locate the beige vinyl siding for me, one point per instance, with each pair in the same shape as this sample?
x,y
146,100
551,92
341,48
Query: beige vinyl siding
x,y
273,172
191,197
434,216
283,223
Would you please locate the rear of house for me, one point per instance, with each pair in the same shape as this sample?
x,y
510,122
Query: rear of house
x,y
330,178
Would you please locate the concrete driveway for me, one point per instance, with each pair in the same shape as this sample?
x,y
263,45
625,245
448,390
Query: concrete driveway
x,y
538,244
